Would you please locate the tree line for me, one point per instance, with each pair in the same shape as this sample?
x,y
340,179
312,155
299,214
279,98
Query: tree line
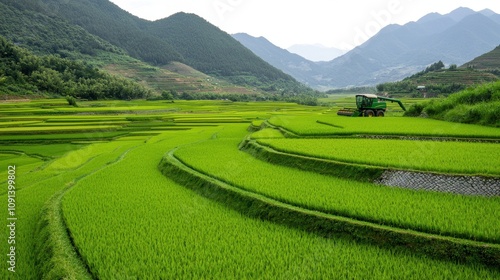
x,y
475,105
409,85
49,35
23,73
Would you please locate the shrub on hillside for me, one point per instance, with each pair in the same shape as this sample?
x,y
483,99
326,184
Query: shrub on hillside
x,y
479,105
415,110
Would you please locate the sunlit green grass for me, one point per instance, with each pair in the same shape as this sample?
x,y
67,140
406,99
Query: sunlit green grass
x,y
448,214
152,228
128,221
339,125
447,157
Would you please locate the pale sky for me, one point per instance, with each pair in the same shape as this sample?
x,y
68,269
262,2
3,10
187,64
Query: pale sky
x,y
342,24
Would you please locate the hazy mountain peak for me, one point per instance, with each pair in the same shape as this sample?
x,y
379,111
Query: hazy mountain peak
x,y
487,12
460,13
300,68
430,17
477,18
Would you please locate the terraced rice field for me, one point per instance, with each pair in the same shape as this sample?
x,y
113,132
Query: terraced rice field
x,y
165,191
325,125
445,157
423,211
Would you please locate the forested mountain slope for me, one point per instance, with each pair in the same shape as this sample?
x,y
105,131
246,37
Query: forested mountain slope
x,y
182,38
23,73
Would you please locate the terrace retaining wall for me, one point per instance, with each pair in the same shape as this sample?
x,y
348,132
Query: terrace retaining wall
x,y
466,185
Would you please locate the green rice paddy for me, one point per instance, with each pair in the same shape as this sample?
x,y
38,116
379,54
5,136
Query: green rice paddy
x,y
95,201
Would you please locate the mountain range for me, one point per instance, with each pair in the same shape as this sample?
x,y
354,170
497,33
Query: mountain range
x,y
98,30
293,64
186,53
397,51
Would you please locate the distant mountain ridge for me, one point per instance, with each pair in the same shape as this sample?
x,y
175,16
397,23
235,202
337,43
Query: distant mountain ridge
x,y
398,51
300,68
206,43
100,25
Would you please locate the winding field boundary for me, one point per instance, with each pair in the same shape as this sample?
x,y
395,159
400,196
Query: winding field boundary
x,y
326,225
56,254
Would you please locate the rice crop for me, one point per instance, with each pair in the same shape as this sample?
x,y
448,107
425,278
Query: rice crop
x,y
454,215
129,221
60,137
191,237
267,133
210,119
19,123
27,111
113,109
446,157
87,119
51,129
24,164
35,188
257,123
334,125
47,150
79,124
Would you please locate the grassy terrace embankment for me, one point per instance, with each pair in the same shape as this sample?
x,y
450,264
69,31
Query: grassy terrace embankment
x,y
435,156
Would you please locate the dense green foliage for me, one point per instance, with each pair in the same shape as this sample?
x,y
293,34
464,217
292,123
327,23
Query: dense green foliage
x,y
203,44
438,81
45,34
433,67
69,27
23,73
212,51
107,21
303,99
478,105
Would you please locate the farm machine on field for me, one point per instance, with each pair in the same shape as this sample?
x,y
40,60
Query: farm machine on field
x,y
369,105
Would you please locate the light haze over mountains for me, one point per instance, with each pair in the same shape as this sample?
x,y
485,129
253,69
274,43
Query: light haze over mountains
x,y
397,51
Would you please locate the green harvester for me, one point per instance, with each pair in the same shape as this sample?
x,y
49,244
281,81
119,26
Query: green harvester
x,y
369,105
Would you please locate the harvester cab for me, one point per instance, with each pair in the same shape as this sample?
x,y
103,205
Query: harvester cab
x,y
369,105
